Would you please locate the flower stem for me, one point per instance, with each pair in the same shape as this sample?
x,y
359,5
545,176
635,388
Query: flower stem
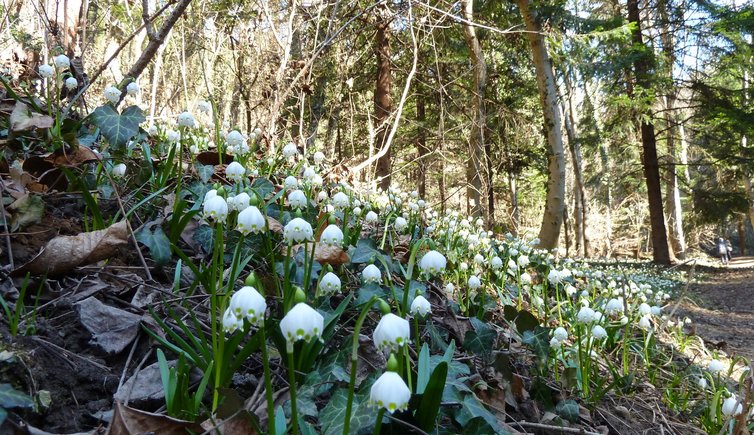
x,y
378,421
354,362
408,366
268,383
292,389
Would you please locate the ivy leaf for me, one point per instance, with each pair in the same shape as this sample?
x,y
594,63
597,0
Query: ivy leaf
x,y
333,414
366,252
157,242
471,409
12,398
263,187
539,341
480,340
118,128
569,410
205,171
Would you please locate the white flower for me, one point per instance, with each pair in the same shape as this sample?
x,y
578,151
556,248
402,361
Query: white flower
x,y
357,211
302,322
555,343
599,332
513,252
71,83
702,382
322,196
474,282
204,106
645,324
585,315
464,266
371,274
290,183
554,277
172,136
332,235
112,94
391,333
371,217
186,119
571,290
119,170
400,224
614,306
731,406
389,391
235,172
290,150
231,322
329,284
450,288
298,230
46,71
560,333
523,261
235,138
340,200
420,305
433,263
319,157
248,303
715,366
216,208
496,262
239,202
297,199
656,311
645,309
132,89
309,174
61,61
210,194
250,220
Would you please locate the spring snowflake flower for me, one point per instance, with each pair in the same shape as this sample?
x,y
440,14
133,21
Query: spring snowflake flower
x,y
525,278
235,139
496,262
290,183
239,202
371,274
186,119
173,136
132,89
61,61
555,343
250,220
421,306
332,235
216,208
340,200
119,170
248,303
231,322
449,289
71,83
371,217
644,323
464,266
329,284
302,322
702,382
570,290
656,311
391,333
523,261
732,407
290,150
309,174
479,259
389,391
322,196
112,94
319,157
433,263
235,172
554,277
46,71
645,309
204,106
297,199
298,230
585,315
560,333
512,267
715,366
598,332
400,224
474,282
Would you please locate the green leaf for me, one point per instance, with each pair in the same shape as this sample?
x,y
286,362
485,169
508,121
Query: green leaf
x,y
424,368
568,409
280,426
333,414
263,187
157,242
539,341
365,293
3,415
471,409
118,128
12,398
426,415
365,252
26,210
480,340
525,321
205,171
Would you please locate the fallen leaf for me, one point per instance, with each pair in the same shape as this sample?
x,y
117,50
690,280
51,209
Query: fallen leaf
x,y
213,158
274,225
112,329
26,210
237,425
72,157
325,254
24,119
64,253
129,421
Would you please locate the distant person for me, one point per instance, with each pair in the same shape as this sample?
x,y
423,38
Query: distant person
x,y
729,249
722,251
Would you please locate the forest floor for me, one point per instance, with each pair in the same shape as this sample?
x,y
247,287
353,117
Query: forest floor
x,y
721,306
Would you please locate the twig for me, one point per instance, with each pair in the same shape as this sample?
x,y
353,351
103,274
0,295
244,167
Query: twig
x,y
128,360
135,375
5,225
68,352
553,429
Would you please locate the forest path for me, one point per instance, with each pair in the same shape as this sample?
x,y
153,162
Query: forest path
x,y
721,307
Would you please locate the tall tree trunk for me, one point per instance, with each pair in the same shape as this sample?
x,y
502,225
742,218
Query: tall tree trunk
x,y
475,165
383,103
421,144
642,69
515,212
742,235
548,95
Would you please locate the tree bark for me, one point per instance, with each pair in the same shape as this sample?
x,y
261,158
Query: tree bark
x,y
421,144
642,68
383,103
475,165
555,204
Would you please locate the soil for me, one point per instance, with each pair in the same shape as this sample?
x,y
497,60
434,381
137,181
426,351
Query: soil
x,y
721,307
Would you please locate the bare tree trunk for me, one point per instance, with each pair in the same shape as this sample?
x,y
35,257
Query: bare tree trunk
x,y
383,103
421,144
515,212
555,203
742,235
475,165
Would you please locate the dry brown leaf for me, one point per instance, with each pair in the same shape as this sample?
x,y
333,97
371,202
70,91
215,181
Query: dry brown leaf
x,y
129,421
325,254
274,225
72,157
64,253
237,425
23,119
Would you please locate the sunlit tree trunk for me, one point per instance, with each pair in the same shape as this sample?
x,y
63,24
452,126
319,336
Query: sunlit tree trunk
x,y
475,165
555,203
383,103
421,144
